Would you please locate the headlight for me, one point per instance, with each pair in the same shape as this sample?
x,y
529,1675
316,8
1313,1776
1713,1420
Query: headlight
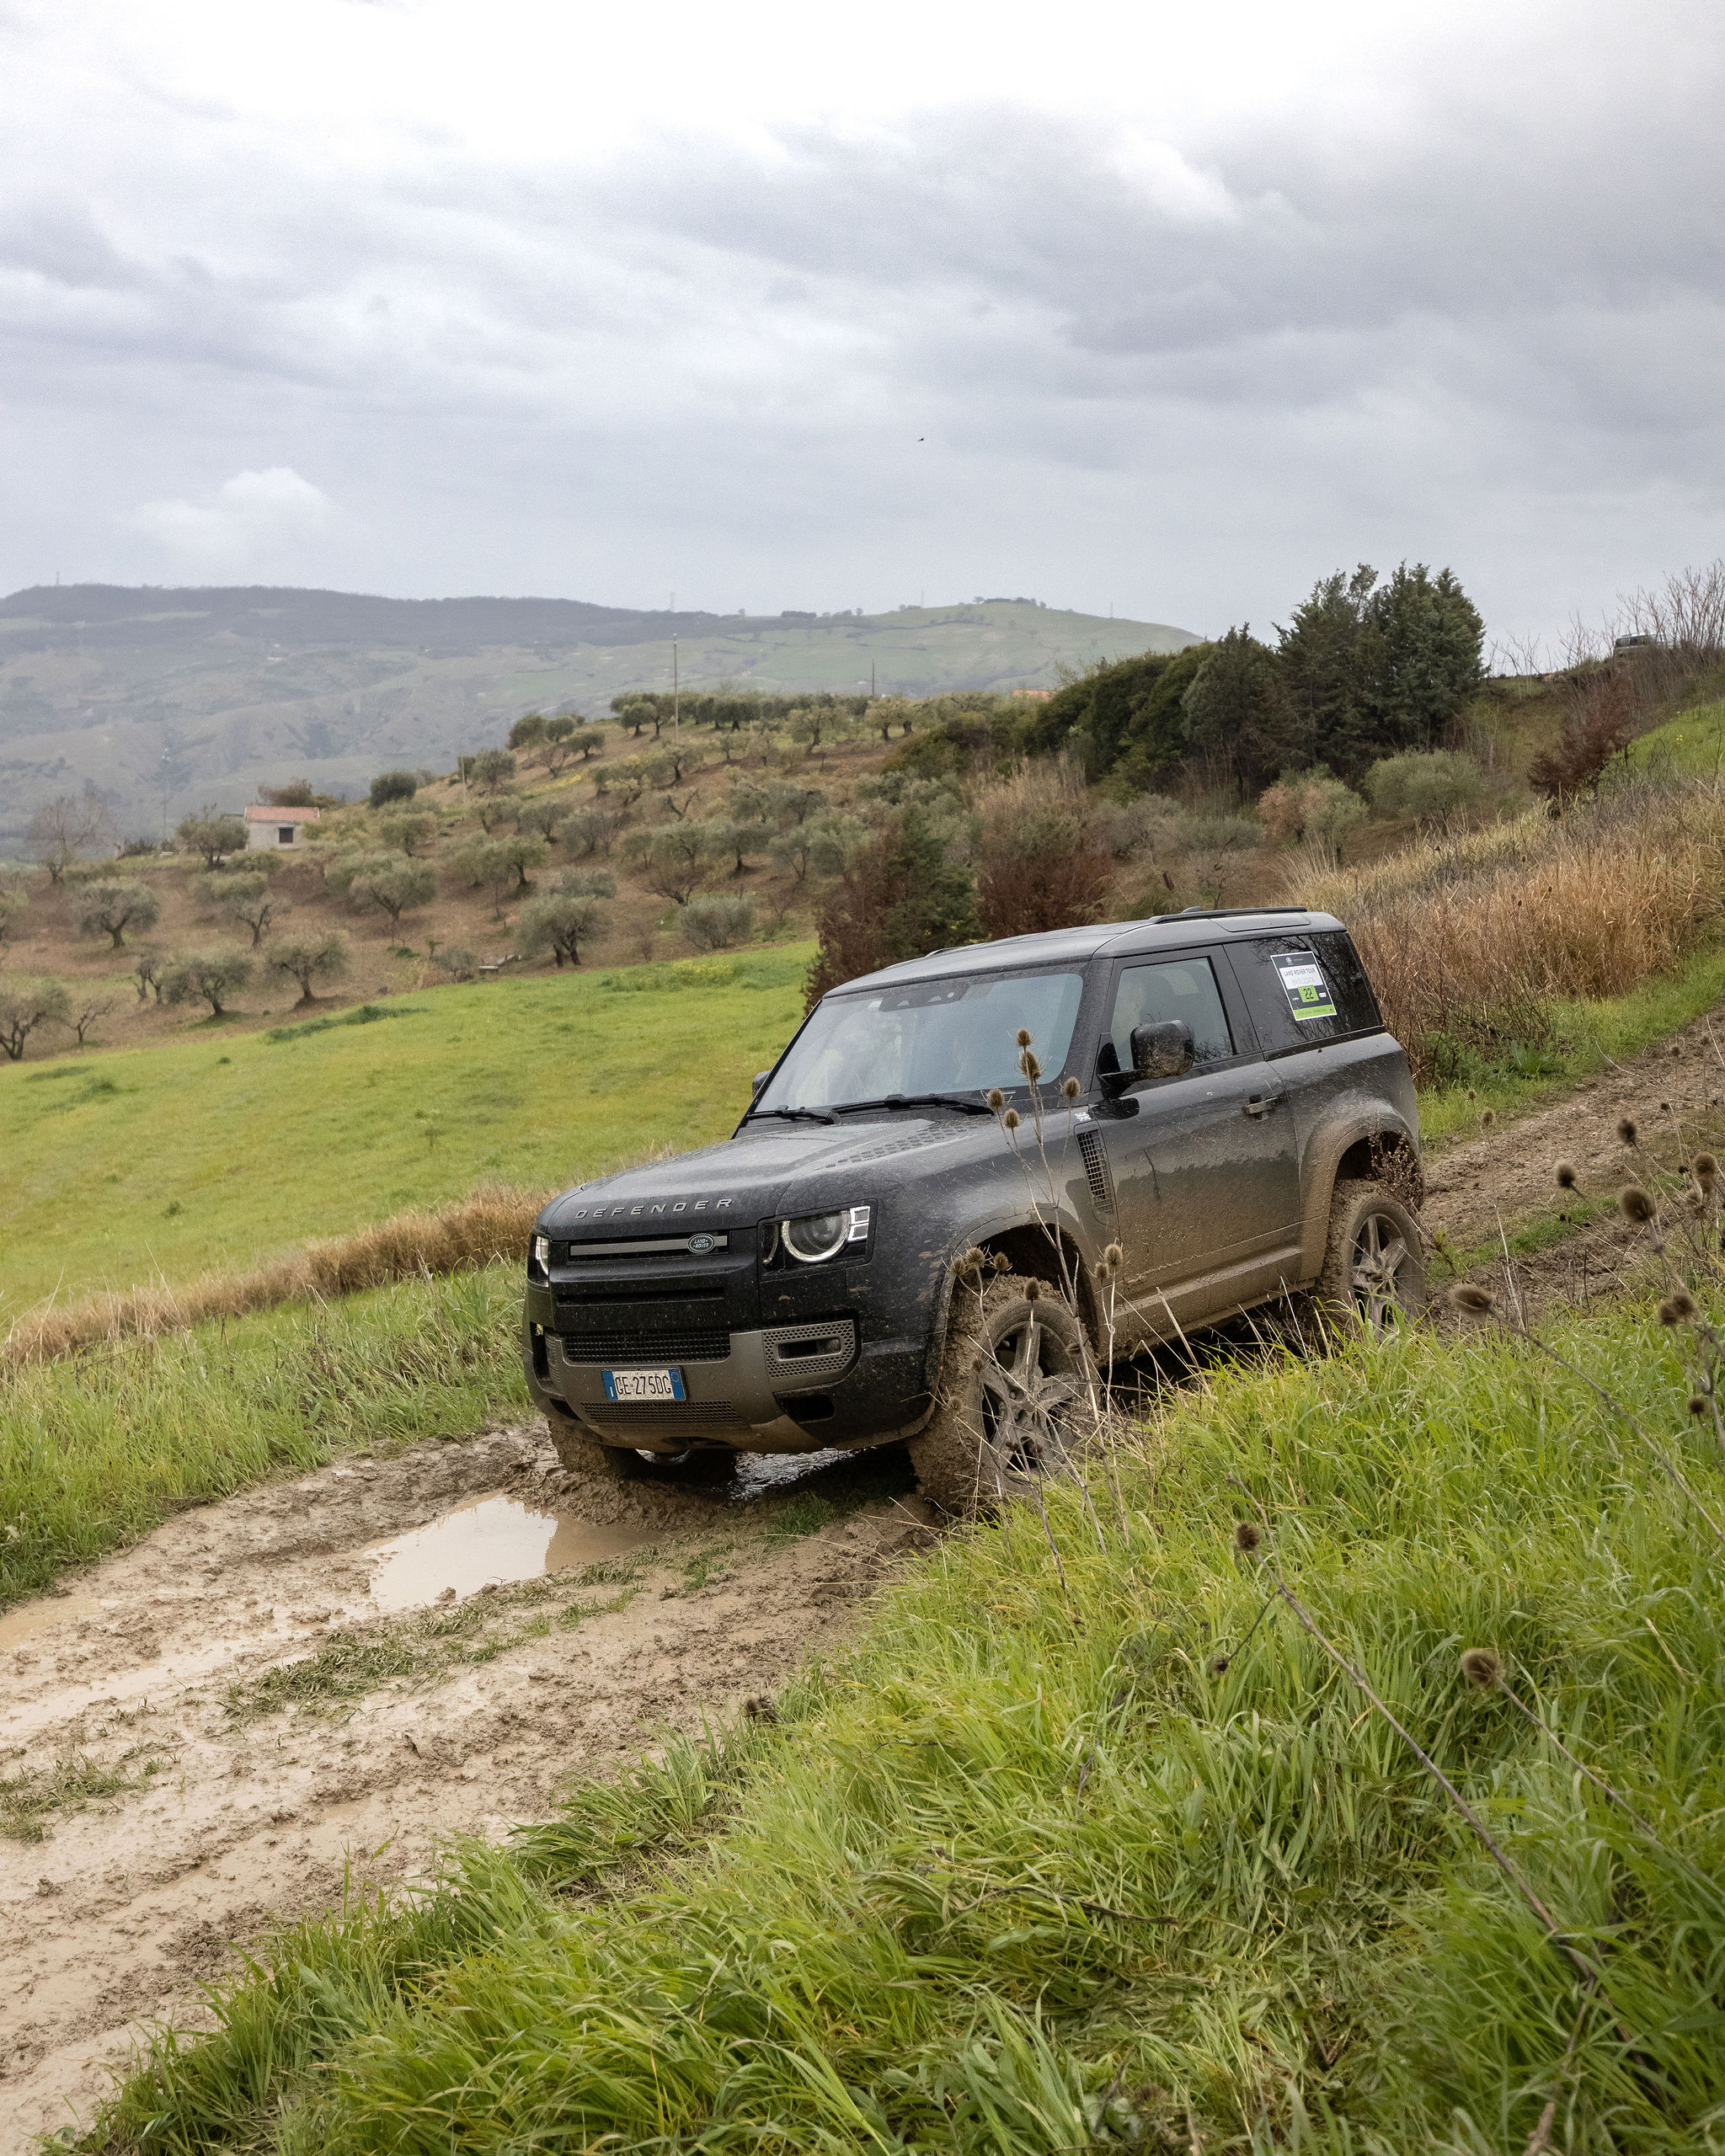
x,y
539,1256
818,1236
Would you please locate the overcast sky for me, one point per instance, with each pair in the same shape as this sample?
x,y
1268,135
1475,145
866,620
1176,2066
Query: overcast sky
x,y
1169,310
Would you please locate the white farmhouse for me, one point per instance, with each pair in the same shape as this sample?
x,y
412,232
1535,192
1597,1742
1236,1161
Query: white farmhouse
x,y
270,830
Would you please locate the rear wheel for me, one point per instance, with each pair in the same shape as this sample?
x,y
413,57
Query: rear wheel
x,y
1011,1407
1374,1272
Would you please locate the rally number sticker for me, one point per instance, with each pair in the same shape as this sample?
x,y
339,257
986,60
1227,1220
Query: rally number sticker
x,y
1304,985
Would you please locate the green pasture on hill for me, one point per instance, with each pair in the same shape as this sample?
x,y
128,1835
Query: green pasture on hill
x,y
222,1148
1691,745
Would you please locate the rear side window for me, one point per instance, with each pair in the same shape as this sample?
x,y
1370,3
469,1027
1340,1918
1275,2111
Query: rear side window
x,y
1306,989
1184,989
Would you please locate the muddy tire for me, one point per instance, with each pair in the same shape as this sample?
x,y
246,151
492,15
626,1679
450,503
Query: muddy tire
x,y
1373,1271
1012,1406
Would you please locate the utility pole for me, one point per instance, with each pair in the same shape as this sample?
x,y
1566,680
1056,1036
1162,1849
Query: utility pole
x,y
871,680
676,694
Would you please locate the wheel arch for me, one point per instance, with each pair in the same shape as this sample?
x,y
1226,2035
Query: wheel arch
x,y
1375,1144
1047,1250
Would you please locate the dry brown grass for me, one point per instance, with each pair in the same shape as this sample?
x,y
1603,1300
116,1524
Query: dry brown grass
x,y
493,1223
1467,940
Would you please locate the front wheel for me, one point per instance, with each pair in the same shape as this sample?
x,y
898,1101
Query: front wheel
x,y
1013,1403
1374,1272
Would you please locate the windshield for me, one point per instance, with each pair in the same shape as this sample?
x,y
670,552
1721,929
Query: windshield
x,y
937,1037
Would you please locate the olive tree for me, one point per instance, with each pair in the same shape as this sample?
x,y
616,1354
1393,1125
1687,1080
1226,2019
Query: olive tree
x,y
110,909
484,863
560,921
212,834
394,786
405,833
147,967
247,900
319,955
211,977
395,885
14,903
27,1005
492,768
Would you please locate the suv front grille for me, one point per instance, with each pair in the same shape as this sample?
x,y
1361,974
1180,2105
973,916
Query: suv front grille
x,y
632,1421
692,1344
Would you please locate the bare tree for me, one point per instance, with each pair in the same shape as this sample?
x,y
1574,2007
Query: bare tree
x,y
65,829
82,1014
147,970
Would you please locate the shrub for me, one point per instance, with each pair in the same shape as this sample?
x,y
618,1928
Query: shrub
x,y
1313,809
26,1006
899,898
296,794
1433,786
110,909
714,922
211,977
1042,860
14,903
455,962
1222,833
394,786
1599,729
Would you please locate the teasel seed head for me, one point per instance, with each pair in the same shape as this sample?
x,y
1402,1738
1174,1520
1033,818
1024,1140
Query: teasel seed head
x,y
1113,1255
1565,1175
1637,1205
1471,1095
1487,1116
1070,1088
1627,1129
1001,1262
1219,1665
1010,1119
1698,1404
1033,1291
1681,1304
1022,1036
1480,1667
1468,1295
995,1098
1247,1537
1706,1171
1029,1066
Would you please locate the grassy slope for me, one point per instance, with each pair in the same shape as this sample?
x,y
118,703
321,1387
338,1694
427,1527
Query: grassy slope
x,y
1029,1872
217,1149
96,1449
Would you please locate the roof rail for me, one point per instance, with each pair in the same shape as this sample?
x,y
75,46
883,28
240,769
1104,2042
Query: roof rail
x,y
1228,913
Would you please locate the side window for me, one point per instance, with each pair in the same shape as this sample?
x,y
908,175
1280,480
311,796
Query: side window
x,y
1306,989
1182,988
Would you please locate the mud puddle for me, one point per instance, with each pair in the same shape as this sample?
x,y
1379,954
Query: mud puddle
x,y
198,1739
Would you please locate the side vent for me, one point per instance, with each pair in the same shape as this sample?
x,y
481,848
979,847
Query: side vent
x,y
1095,1157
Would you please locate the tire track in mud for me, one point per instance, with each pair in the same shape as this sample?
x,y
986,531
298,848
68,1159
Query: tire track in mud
x,y
204,1668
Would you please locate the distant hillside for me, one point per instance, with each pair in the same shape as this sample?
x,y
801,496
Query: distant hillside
x,y
166,699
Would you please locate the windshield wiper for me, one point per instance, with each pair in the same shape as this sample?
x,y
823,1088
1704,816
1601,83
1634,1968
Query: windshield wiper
x,y
815,1115
967,1101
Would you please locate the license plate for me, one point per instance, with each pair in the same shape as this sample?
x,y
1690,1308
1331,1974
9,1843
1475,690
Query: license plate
x,y
645,1385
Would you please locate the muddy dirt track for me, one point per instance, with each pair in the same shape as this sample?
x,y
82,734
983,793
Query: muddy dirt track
x,y
206,1730
314,1673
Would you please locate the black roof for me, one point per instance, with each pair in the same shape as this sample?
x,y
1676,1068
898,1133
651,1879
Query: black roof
x,y
1166,931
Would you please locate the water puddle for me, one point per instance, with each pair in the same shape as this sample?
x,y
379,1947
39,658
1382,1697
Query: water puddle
x,y
488,1542
43,1616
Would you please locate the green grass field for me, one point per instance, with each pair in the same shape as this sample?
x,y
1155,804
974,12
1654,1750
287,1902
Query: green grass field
x,y
1105,1850
1690,745
226,1147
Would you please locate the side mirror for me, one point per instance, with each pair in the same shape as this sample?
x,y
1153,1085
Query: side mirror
x,y
761,1078
1162,1050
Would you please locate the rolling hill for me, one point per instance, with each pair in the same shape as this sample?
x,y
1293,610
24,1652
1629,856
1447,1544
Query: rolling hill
x,y
165,699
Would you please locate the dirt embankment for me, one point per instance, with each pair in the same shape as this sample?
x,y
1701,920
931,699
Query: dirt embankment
x,y
1674,1094
201,1734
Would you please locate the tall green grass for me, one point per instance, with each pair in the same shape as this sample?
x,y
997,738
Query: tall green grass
x,y
1102,1850
220,1149
98,1447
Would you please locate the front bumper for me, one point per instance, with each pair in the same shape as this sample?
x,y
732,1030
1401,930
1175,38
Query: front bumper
x,y
785,1388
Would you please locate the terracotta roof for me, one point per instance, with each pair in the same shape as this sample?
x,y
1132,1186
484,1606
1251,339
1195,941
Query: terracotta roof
x,y
254,815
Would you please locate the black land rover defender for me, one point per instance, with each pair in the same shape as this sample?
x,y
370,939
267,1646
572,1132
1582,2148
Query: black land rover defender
x,y
920,1230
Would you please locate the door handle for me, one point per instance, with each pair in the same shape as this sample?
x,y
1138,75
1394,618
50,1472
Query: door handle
x,y
1260,1103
